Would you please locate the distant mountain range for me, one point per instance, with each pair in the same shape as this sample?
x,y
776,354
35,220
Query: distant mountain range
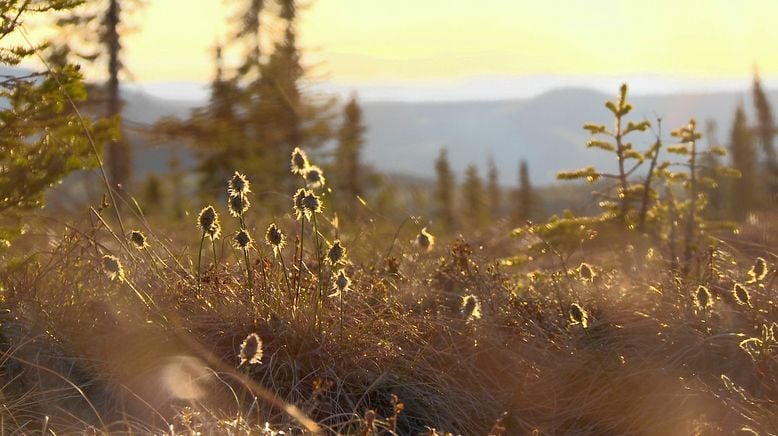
x,y
406,137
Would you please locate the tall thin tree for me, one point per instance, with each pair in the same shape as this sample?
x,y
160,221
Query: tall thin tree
x,y
524,195
444,192
493,191
743,152
473,202
348,155
765,134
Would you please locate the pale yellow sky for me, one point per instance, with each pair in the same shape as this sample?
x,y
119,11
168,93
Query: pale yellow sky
x,y
413,40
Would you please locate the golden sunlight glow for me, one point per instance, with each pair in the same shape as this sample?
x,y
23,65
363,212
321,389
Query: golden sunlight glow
x,y
359,40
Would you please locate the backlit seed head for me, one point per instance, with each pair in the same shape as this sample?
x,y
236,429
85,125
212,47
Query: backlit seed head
x,y
299,161
759,271
275,237
741,294
208,221
238,185
703,298
425,240
242,240
251,350
342,282
336,253
586,272
311,204
578,315
113,267
299,207
314,177
238,205
207,218
471,308
138,239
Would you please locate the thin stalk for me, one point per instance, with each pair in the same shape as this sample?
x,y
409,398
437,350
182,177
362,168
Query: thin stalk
x,y
199,260
318,258
300,264
283,267
215,263
249,275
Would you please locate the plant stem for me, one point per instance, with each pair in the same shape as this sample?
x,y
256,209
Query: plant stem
x,y
300,264
199,260
318,258
286,275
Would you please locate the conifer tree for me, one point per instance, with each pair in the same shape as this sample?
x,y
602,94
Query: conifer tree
x,y
473,204
524,199
714,191
764,136
444,192
493,191
348,166
42,138
100,23
743,152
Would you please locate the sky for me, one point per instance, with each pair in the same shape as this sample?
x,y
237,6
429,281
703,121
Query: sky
x,y
422,40
392,45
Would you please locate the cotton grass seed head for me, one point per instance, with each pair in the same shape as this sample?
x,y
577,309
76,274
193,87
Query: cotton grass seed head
x,y
113,267
138,239
578,315
336,253
299,161
314,177
238,205
759,271
471,308
703,298
275,237
425,240
297,199
586,272
311,204
342,283
251,350
741,294
238,185
242,240
208,221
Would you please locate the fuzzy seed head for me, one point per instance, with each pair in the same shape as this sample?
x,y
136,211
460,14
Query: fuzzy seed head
x,y
342,282
703,298
238,205
337,253
314,177
242,240
251,350
471,308
311,204
586,272
425,240
275,237
138,239
208,221
238,185
299,207
759,271
741,294
578,315
113,267
299,161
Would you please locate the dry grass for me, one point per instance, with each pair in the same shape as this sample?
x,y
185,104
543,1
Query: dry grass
x,y
82,351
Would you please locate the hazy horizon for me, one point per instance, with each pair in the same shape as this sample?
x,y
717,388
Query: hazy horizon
x,y
487,88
